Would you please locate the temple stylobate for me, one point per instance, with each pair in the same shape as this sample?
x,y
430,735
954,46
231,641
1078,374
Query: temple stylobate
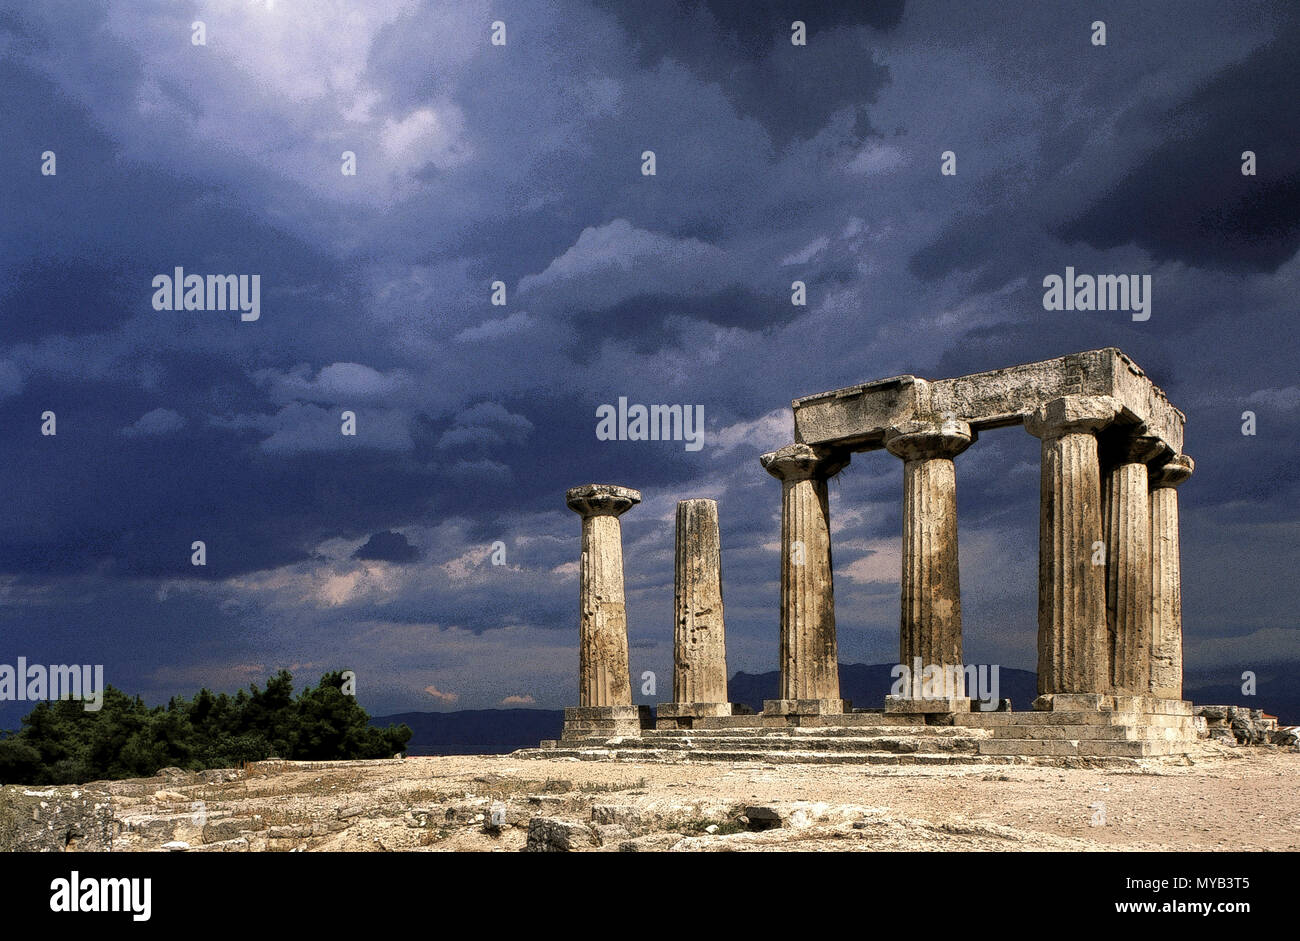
x,y
1109,611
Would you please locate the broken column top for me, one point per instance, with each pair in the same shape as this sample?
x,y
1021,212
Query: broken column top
x,y
1174,472
800,462
858,417
601,499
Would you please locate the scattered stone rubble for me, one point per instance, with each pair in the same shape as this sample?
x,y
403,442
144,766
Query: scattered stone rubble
x,y
214,812
55,819
1245,726
778,802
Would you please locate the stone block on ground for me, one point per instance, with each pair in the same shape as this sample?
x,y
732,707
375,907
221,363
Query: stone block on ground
x,y
903,705
806,707
762,818
54,819
552,835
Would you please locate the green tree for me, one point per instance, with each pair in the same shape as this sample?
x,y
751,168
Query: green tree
x,y
61,743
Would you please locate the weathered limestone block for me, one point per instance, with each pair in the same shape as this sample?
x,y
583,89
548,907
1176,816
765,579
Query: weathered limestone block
x,y
1241,725
550,835
143,826
809,652
1072,640
1127,523
623,815
55,819
857,417
699,641
605,721
930,624
695,715
237,845
785,708
229,828
1288,736
603,678
651,843
1166,588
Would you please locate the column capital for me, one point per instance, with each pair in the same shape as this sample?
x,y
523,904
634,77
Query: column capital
x,y
802,462
1122,446
1172,472
922,440
601,499
1072,414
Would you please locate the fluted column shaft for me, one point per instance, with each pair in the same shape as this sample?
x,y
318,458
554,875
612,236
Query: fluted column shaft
x,y
603,678
1072,637
1127,523
930,622
1166,579
699,642
809,652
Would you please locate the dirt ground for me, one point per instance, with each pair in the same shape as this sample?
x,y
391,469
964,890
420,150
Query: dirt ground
x,y
1222,798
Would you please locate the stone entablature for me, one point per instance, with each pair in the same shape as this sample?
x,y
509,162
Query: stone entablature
x,y
856,418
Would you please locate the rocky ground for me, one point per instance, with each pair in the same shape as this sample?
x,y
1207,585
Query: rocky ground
x,y
1221,798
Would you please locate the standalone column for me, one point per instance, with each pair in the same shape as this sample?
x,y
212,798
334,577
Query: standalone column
x,y
1166,590
930,626
1072,639
1127,521
810,675
699,639
604,687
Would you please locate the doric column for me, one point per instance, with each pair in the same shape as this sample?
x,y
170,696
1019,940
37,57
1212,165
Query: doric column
x,y
1166,588
930,626
603,678
1072,640
699,642
809,655
1127,523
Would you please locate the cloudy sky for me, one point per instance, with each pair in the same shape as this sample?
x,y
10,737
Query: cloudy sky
x,y
522,163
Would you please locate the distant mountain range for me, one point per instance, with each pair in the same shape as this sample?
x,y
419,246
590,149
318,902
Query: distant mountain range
x,y
499,731
476,731
867,685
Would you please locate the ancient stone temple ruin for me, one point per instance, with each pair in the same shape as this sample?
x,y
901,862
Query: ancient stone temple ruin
x,y
1109,616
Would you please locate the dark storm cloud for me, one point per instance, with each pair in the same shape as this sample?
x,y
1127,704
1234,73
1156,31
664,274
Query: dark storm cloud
x,y
68,297
388,547
1188,200
745,47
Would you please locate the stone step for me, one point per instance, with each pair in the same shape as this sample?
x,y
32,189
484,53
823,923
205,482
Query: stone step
x,y
855,719
1058,732
612,726
771,743
848,758
823,758
1150,705
844,720
1095,718
774,757
1095,733
797,732
1079,747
